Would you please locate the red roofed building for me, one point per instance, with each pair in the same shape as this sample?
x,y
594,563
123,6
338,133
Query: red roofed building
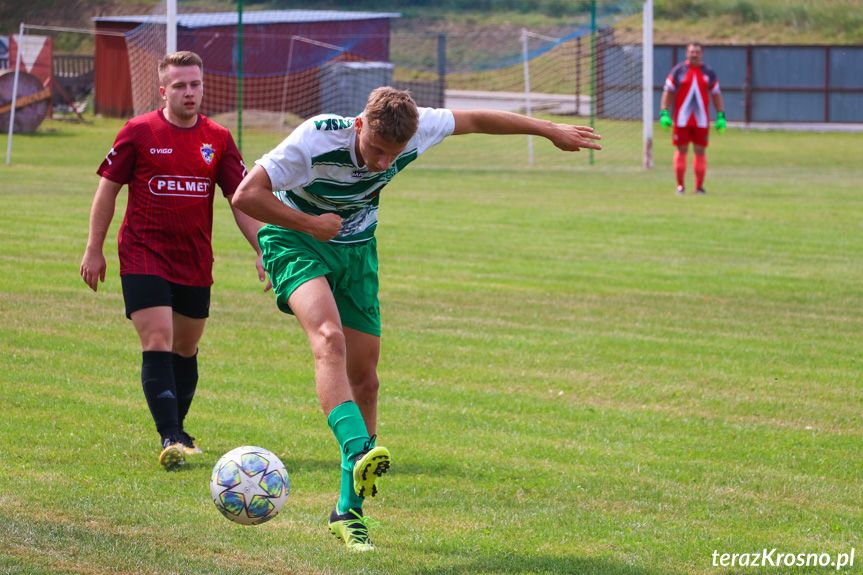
x,y
282,53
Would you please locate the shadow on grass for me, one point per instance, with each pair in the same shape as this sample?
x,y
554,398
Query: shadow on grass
x,y
294,465
449,469
46,133
536,564
307,465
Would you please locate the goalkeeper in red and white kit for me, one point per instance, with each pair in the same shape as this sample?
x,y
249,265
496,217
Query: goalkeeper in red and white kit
x,y
689,84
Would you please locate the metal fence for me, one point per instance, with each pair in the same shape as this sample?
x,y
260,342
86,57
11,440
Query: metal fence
x,y
770,83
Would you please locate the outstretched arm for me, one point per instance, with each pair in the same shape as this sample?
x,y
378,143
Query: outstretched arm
x,y
565,136
93,264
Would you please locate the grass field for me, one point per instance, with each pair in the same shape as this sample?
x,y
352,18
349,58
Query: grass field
x,y
581,373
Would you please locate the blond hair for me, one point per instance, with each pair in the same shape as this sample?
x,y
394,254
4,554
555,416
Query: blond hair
x,y
179,59
392,114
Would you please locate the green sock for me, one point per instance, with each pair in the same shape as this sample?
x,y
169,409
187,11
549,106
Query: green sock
x,y
348,426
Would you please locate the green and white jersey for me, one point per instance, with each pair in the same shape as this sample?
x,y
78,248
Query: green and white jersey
x,y
315,171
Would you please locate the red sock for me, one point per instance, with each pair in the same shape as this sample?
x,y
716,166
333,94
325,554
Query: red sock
x,y
680,166
699,164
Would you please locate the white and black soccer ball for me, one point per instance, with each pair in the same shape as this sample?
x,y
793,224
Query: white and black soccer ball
x,y
249,485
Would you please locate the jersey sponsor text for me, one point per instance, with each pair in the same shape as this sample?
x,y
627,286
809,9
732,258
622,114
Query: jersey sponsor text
x,y
179,186
333,124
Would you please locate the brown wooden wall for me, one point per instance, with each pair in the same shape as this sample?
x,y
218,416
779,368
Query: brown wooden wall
x,y
112,82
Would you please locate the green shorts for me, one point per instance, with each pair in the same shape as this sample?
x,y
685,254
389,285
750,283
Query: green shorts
x,y
293,258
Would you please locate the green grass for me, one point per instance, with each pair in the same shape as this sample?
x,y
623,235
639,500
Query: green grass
x,y
762,21
623,381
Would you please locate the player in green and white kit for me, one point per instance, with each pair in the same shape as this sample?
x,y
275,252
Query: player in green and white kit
x,y
319,190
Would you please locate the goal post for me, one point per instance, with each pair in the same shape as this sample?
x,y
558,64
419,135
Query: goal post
x,y
647,83
171,27
18,57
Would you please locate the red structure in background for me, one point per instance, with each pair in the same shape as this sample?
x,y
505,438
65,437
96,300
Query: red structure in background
x,y
280,47
112,81
38,57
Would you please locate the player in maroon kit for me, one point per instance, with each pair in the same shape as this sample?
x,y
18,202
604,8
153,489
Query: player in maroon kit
x,y
171,160
689,84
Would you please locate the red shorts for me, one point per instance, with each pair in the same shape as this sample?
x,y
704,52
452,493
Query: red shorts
x,y
682,136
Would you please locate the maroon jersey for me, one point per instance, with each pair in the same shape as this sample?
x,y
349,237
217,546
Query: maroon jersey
x,y
172,173
691,87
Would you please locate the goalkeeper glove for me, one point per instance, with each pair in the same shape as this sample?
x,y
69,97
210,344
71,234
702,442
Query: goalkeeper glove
x,y
665,119
720,122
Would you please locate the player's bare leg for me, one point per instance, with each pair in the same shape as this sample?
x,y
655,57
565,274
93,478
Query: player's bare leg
x,y
155,328
699,165
363,351
316,310
187,334
680,167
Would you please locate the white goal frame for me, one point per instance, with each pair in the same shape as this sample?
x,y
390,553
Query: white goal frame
x,y
647,83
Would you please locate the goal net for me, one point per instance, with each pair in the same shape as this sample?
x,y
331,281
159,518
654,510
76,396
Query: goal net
x,y
581,66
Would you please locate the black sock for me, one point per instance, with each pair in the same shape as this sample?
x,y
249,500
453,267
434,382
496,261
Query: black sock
x,y
186,379
157,379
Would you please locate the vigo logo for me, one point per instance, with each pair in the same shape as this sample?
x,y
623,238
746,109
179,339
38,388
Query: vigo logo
x,y
161,150
187,186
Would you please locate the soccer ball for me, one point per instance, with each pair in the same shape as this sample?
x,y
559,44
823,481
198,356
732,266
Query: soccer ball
x,y
249,485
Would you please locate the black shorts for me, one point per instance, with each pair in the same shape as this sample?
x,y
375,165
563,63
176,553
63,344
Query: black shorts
x,y
143,291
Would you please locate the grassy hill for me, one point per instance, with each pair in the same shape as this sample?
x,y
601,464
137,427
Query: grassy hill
x,y
676,21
